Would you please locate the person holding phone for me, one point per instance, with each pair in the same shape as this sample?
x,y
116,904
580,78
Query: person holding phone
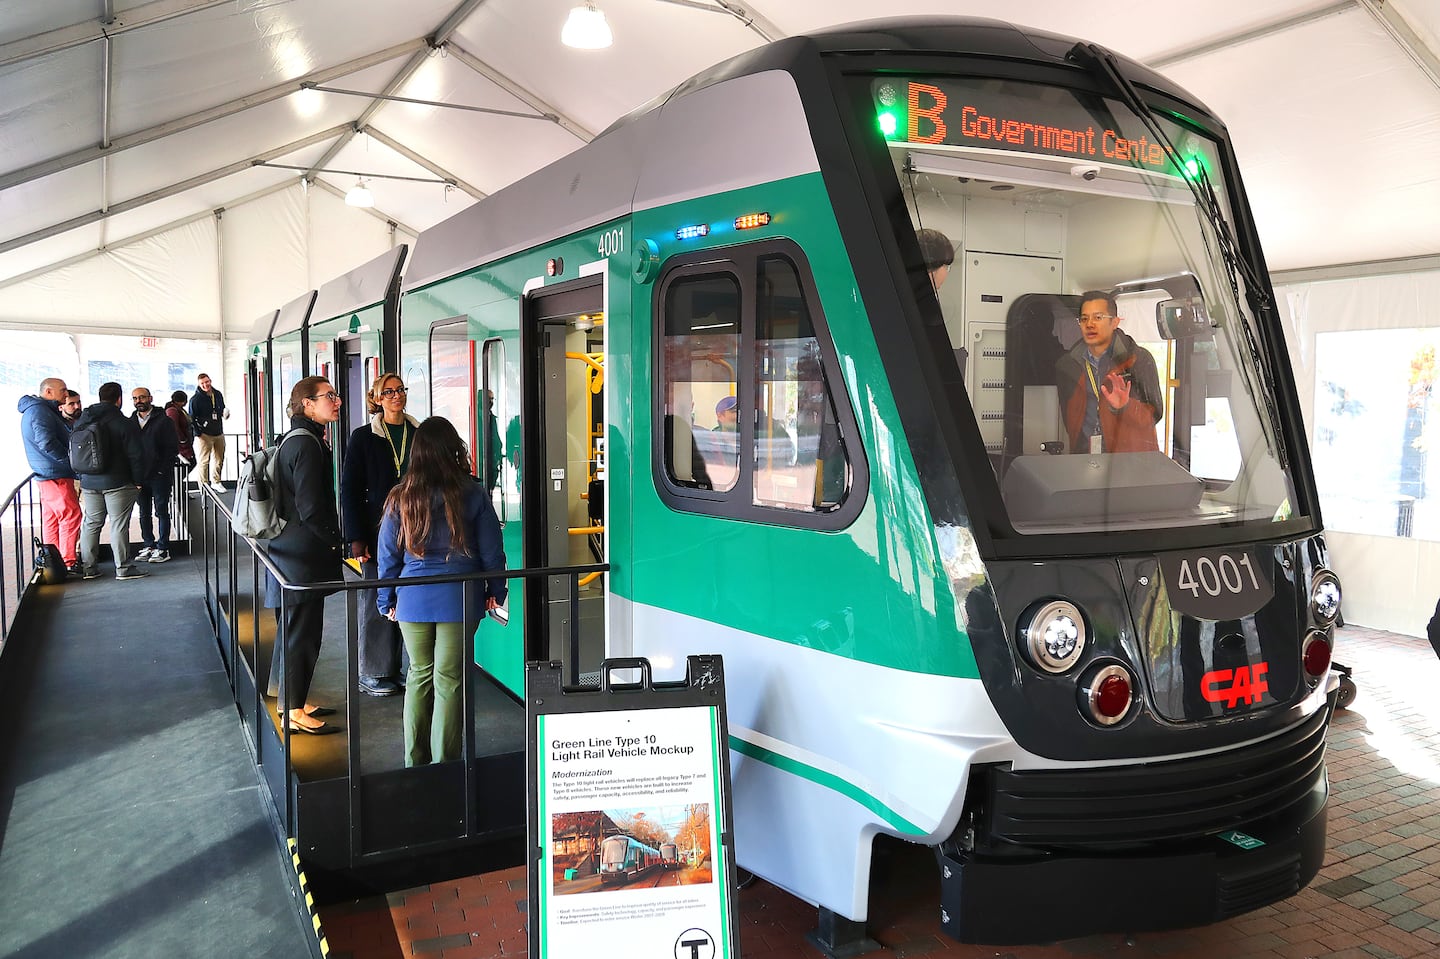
x,y
1108,387
438,519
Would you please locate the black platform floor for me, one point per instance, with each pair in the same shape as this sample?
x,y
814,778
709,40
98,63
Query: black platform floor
x,y
131,819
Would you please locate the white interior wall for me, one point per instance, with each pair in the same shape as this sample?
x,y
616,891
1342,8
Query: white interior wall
x,y
1390,582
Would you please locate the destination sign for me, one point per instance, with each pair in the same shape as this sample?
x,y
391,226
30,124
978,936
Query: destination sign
x,y
1026,118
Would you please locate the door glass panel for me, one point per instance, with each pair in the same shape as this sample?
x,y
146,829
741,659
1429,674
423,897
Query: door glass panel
x,y
702,343
452,383
799,456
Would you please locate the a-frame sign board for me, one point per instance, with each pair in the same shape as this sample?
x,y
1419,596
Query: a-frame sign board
x,y
630,850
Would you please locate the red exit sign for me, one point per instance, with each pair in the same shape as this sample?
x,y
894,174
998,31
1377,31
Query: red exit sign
x,y
149,342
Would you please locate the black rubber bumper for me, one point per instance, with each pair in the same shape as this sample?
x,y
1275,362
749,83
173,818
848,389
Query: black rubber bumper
x,y
1052,896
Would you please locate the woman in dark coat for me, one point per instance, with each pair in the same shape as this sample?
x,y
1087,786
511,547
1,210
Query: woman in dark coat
x,y
375,459
308,549
438,520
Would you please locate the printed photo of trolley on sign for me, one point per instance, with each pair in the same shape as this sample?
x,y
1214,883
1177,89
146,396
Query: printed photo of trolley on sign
x,y
601,850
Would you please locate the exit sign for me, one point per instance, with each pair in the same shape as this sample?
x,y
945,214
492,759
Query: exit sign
x,y
149,342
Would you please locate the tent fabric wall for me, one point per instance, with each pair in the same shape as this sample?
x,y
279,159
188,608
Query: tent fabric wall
x,y
162,285
1390,582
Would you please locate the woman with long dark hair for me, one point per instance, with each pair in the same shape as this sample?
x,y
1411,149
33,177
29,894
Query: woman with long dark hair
x,y
438,519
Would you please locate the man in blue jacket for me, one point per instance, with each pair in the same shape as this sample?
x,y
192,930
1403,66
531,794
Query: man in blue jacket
x,y
111,493
47,447
162,445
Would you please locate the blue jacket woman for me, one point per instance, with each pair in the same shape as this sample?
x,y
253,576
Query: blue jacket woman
x,y
438,520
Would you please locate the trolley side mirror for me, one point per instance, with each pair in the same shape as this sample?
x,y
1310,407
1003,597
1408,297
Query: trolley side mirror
x,y
1181,319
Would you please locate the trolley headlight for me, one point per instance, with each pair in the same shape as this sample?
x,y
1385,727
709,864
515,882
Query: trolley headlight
x,y
1055,636
1325,597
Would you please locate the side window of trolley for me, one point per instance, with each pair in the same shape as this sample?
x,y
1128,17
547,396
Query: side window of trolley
x,y
750,422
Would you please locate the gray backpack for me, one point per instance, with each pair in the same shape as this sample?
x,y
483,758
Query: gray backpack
x,y
256,512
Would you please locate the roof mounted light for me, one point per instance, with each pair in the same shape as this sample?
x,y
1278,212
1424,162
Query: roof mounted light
x,y
586,29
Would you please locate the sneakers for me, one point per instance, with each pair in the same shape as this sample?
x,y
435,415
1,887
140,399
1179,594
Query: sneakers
x,y
158,556
145,552
89,573
218,487
371,686
129,572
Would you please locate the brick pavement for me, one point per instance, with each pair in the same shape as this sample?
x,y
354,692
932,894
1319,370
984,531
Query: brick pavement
x,y
1377,896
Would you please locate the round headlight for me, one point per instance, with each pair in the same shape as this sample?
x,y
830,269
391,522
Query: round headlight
x,y
1325,597
1055,636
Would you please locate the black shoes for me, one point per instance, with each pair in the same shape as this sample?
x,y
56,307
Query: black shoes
x,y
373,686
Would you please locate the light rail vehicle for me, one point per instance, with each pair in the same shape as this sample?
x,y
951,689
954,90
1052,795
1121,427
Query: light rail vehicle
x,y
1080,647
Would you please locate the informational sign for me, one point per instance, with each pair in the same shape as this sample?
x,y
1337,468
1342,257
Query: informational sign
x,y
631,853
1014,117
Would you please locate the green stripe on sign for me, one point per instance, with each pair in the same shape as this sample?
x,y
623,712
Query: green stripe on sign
x,y
829,780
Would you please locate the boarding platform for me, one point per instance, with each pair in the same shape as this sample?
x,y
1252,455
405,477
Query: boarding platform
x,y
360,820
132,823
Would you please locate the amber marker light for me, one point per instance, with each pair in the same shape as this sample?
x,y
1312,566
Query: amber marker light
x,y
751,220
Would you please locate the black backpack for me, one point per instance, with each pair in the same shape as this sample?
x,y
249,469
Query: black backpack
x,y
49,564
89,448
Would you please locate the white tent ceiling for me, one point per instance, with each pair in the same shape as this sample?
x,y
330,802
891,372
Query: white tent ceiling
x,y
126,124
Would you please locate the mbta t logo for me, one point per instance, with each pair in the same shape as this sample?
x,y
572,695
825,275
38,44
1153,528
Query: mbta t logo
x,y
695,944
1230,686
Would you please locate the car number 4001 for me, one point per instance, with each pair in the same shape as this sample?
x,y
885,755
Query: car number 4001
x,y
1214,575
611,242
1218,584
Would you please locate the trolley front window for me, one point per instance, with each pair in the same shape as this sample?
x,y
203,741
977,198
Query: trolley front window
x,y
1114,375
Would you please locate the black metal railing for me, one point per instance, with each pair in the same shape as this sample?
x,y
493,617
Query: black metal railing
x,y
19,520
220,546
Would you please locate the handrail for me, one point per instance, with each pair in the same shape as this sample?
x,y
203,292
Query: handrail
x,y
24,572
285,806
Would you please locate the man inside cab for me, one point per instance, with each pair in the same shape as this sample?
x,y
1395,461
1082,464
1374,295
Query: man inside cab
x,y
1108,388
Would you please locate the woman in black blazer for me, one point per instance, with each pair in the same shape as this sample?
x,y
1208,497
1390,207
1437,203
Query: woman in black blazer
x,y
308,549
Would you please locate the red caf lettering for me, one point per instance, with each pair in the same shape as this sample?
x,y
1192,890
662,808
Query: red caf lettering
x,y
1232,685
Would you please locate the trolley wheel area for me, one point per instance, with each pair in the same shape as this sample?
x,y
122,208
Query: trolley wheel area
x,y
1348,689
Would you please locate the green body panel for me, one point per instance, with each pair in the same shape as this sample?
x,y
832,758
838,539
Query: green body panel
x,y
875,592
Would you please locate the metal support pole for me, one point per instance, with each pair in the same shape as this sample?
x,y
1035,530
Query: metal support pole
x,y
467,707
352,725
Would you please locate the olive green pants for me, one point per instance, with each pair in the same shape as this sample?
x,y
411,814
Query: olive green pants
x,y
433,713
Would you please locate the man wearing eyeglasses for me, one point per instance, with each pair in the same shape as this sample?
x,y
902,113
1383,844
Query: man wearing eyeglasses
x,y
1108,387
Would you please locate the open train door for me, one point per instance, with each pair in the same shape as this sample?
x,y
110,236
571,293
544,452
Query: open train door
x,y
563,472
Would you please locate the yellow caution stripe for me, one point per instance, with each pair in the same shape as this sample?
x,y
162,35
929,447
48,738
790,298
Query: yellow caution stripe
x,y
309,899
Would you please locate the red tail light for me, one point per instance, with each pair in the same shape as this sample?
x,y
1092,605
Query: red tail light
x,y
1316,654
1108,695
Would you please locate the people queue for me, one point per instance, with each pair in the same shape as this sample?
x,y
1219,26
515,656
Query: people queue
x,y
134,466
409,506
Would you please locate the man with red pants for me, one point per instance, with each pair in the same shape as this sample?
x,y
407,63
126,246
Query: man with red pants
x,y
47,447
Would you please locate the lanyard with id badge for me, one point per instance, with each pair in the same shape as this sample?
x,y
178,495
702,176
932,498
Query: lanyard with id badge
x,y
1095,441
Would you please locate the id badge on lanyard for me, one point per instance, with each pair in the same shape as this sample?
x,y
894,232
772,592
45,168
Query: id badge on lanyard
x,y
1095,443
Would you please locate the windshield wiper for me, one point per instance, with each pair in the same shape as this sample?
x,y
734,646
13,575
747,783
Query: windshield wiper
x,y
1236,266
